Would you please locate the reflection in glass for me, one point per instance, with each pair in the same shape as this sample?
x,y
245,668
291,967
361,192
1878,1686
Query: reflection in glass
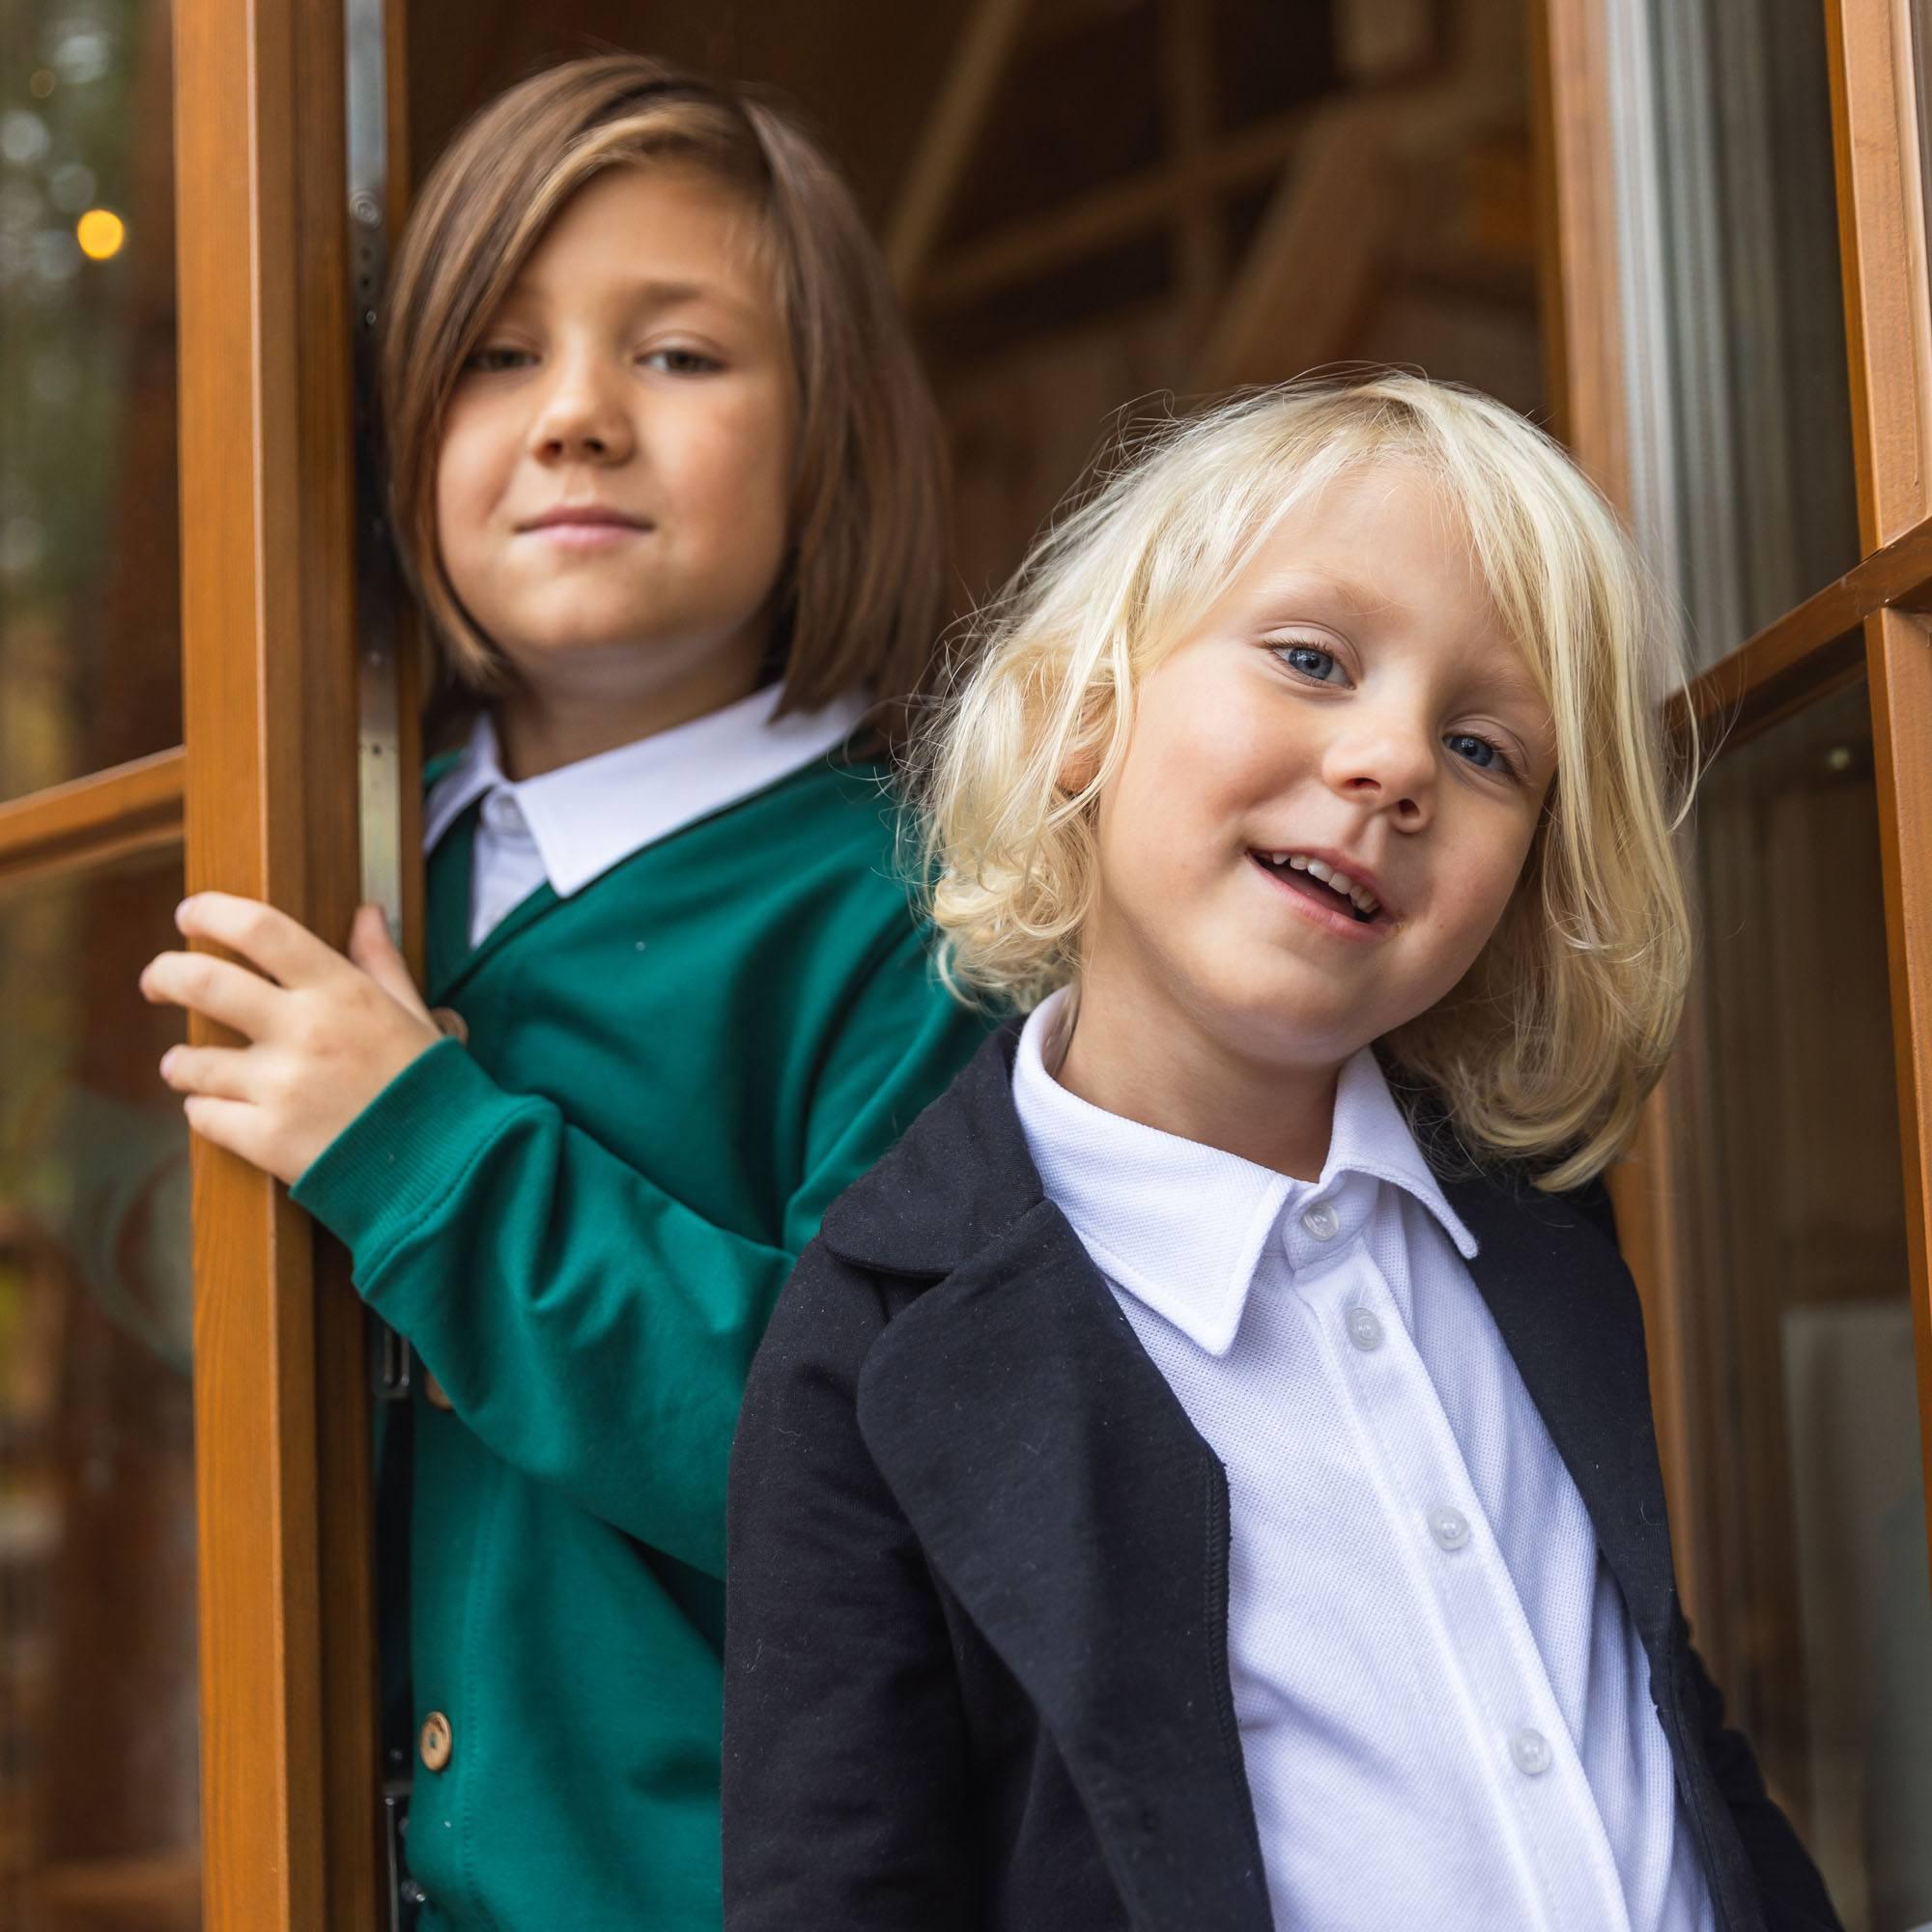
x,y
1740,373
1807,1532
98,1823
89,568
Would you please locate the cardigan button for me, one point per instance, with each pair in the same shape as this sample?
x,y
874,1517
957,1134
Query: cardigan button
x,y
435,1394
436,1742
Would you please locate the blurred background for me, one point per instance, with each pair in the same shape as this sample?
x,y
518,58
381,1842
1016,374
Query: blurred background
x,y
1091,207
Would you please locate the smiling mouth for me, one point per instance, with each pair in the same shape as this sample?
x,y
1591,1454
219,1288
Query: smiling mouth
x,y
1322,884
573,519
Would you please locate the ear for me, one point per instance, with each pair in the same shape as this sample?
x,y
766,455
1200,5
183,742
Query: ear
x,y
1078,771
1082,763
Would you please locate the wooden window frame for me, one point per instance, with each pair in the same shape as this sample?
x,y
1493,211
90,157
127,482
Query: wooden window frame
x,y
290,1754
1868,623
92,820
261,799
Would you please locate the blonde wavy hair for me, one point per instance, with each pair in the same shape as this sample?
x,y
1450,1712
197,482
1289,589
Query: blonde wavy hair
x,y
1546,1050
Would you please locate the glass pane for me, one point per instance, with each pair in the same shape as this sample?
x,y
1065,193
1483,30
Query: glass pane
x,y
90,671
1742,377
98,1821
1810,1548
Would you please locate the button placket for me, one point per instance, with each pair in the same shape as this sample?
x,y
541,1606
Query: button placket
x,y
1494,1659
1365,1328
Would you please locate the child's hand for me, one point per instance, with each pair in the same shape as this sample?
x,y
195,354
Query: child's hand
x,y
325,1033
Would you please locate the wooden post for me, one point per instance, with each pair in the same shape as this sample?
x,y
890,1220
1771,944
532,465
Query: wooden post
x,y
267,592
1882,216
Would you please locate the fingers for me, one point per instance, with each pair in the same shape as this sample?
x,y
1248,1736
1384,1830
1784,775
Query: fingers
x,y
219,1071
236,1126
281,947
371,948
218,990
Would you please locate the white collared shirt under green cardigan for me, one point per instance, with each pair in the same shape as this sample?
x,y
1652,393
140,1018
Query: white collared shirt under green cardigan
x,y
712,1014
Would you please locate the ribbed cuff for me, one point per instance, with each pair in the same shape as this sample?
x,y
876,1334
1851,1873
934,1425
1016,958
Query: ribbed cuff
x,y
403,1152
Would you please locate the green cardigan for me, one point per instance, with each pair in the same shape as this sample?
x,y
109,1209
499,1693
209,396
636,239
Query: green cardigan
x,y
581,1222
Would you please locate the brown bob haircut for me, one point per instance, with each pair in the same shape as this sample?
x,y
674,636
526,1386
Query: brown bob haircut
x,y
859,601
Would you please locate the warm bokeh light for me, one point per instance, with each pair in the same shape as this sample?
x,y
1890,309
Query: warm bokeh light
x,y
101,234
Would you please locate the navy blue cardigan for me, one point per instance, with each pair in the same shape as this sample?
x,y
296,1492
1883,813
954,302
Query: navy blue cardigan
x,y
975,1638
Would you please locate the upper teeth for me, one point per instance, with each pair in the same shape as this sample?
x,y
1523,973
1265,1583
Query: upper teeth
x,y
1332,877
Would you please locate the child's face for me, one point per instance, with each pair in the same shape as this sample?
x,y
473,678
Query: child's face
x,y
613,486
1352,700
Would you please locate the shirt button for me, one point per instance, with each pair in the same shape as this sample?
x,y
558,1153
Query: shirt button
x,y
501,812
1364,1330
1450,1527
1531,1751
437,1740
1321,1221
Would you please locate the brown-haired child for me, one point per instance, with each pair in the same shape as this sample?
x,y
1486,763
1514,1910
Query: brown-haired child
x,y
668,480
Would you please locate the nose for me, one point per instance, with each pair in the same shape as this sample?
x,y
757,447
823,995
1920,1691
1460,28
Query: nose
x,y
581,415
1384,762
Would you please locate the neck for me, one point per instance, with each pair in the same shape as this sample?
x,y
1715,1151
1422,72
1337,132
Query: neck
x,y
1156,1065
544,724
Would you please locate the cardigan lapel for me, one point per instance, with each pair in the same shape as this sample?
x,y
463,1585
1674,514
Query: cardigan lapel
x,y
452,959
1061,1493
1569,1317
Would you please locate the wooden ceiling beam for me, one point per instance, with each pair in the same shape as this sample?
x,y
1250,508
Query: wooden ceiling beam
x,y
957,116
1335,206
1095,221
1187,87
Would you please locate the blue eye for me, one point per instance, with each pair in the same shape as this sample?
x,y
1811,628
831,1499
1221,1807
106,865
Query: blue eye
x,y
1479,752
1310,661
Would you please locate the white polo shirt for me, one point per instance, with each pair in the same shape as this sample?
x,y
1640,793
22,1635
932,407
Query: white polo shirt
x,y
1444,1708
570,826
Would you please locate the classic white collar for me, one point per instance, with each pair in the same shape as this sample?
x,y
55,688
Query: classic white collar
x,y
1182,1225
591,816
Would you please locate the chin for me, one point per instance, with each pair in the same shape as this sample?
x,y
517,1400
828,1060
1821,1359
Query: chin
x,y
1292,1025
577,635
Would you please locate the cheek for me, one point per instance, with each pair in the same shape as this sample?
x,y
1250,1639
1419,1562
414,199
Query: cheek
x,y
1489,882
731,473
1198,761
469,473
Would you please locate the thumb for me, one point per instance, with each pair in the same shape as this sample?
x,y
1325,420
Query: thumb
x,y
371,948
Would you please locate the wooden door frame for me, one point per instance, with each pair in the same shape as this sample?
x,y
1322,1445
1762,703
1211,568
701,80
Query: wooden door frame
x,y
1879,133
288,1672
1582,309
1868,622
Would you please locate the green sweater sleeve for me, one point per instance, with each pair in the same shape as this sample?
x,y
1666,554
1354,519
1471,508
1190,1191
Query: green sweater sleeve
x,y
594,1331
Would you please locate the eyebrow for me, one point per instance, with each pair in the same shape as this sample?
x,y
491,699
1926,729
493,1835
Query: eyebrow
x,y
652,294
1294,586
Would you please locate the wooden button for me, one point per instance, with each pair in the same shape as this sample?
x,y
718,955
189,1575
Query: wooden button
x,y
451,1023
436,1742
433,1393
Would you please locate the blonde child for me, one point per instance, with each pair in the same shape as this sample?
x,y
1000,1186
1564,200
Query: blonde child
x,y
1204,1477
667,478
